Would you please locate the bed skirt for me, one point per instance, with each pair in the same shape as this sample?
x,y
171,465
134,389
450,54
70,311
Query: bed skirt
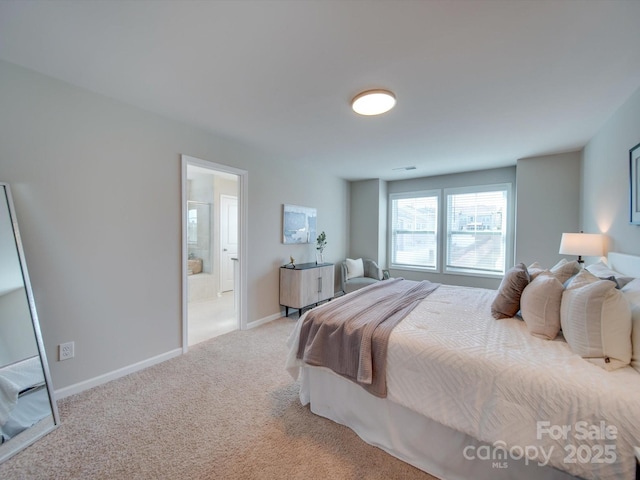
x,y
413,438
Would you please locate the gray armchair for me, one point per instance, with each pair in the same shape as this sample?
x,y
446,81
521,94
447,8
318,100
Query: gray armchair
x,y
372,274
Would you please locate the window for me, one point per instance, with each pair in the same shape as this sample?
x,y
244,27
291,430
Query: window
x,y
477,238
414,230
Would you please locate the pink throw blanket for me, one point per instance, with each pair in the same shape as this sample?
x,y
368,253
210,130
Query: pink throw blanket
x,y
350,334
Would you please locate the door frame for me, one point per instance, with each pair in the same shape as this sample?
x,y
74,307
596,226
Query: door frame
x,y
241,282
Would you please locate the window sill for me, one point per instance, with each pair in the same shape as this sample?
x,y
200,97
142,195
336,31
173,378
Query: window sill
x,y
472,273
414,269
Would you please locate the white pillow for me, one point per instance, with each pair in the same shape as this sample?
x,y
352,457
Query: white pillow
x,y
631,291
602,270
355,268
596,321
540,306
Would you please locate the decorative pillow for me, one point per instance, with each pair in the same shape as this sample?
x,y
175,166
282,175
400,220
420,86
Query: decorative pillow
x,y
631,291
611,279
601,269
507,301
582,278
596,321
540,306
568,281
535,269
355,268
564,270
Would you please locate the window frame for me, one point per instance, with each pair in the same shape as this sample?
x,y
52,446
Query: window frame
x,y
509,221
442,232
437,193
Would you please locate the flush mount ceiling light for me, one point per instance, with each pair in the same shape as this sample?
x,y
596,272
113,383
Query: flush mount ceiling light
x,y
373,102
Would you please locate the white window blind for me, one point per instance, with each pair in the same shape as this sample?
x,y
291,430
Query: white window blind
x,y
414,232
477,229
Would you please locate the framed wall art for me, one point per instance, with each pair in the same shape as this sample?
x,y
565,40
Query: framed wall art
x,y
634,187
298,224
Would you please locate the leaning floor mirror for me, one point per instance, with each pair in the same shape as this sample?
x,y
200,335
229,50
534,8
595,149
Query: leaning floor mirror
x,y
27,406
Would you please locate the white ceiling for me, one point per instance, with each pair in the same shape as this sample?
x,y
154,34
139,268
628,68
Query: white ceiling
x,y
479,83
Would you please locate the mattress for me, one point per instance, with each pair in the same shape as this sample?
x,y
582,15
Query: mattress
x,y
452,362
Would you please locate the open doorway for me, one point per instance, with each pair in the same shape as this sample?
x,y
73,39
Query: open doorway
x,y
212,199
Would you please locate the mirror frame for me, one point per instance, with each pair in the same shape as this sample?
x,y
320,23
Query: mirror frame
x,y
46,425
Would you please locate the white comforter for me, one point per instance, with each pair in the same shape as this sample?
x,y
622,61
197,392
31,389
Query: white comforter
x,y
451,361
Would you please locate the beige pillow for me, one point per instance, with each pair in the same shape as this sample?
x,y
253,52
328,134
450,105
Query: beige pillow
x,y
596,321
540,306
631,291
535,269
583,277
564,270
507,301
355,268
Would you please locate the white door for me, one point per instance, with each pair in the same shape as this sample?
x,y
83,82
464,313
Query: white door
x,y
228,240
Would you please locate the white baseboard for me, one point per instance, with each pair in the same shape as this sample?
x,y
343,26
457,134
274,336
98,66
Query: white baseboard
x,y
264,320
107,377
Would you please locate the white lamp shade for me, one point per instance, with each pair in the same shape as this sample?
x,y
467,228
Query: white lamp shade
x,y
587,244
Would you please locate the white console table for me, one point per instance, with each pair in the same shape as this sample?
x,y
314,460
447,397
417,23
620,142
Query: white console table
x,y
305,284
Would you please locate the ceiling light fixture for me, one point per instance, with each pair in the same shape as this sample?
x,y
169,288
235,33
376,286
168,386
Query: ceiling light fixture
x,y
373,102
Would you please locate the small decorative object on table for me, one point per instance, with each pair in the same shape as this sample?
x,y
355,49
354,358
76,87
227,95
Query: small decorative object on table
x,y
321,242
292,263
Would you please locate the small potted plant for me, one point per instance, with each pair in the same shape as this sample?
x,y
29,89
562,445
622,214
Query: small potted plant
x,y
321,242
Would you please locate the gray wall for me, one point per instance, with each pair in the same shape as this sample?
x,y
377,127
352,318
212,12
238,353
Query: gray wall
x,y
548,204
547,200
605,179
96,185
368,220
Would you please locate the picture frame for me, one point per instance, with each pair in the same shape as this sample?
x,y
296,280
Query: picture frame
x,y
634,185
298,224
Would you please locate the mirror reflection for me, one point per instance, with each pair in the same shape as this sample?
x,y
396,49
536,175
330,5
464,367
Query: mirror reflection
x,y
27,409
199,237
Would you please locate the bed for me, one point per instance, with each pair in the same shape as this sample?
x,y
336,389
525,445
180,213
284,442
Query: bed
x,y
469,396
24,400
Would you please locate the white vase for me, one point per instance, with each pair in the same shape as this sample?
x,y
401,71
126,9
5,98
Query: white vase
x,y
319,258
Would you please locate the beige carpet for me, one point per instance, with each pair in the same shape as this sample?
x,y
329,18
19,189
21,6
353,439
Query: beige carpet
x,y
226,410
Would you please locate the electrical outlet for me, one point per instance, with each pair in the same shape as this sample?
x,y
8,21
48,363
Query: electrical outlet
x,y
65,351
